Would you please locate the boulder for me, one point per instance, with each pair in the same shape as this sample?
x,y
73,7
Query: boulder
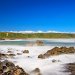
x,y
39,43
36,71
26,51
8,68
41,56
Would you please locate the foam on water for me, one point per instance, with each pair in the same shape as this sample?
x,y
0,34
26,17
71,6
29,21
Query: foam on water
x,y
30,61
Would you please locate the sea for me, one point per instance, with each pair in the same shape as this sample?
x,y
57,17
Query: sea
x,y
46,42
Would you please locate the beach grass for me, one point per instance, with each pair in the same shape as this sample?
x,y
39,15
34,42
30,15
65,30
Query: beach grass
x,y
9,35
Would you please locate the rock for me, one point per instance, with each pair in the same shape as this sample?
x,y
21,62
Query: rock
x,y
9,52
1,71
29,56
53,60
25,51
41,56
36,71
19,71
39,43
57,51
11,55
70,67
8,64
71,48
2,39
2,55
59,61
8,68
5,66
19,54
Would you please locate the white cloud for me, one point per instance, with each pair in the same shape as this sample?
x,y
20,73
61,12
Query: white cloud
x,y
39,31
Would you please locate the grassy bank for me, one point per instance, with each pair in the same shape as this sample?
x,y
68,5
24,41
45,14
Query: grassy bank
x,y
8,35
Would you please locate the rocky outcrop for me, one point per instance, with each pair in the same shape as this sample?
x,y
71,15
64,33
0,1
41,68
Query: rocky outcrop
x,y
70,67
57,51
39,43
3,55
8,68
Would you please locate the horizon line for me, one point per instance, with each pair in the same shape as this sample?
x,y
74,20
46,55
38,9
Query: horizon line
x,y
39,31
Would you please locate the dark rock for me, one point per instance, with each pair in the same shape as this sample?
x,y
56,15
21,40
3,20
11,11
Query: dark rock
x,y
8,68
2,55
19,54
11,55
41,56
53,60
9,64
25,51
9,52
1,71
29,56
70,67
36,71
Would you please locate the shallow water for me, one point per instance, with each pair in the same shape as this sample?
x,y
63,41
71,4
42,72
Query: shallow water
x,y
57,42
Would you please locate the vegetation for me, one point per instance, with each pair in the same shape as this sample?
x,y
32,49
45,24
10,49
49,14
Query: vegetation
x,y
9,35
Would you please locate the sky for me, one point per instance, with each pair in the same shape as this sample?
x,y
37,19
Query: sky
x,y
34,15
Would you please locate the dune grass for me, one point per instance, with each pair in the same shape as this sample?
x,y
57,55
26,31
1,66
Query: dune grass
x,y
9,35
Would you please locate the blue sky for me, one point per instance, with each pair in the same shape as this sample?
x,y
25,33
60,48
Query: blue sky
x,y
18,15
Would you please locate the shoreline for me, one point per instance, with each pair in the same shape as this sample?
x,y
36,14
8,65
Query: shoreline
x,y
34,39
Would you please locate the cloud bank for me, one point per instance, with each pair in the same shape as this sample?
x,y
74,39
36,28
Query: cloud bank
x,y
39,31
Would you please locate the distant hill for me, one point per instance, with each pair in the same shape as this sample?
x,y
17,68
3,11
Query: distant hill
x,y
12,35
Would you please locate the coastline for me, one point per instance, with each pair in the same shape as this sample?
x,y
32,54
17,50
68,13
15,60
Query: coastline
x,y
34,39
53,65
